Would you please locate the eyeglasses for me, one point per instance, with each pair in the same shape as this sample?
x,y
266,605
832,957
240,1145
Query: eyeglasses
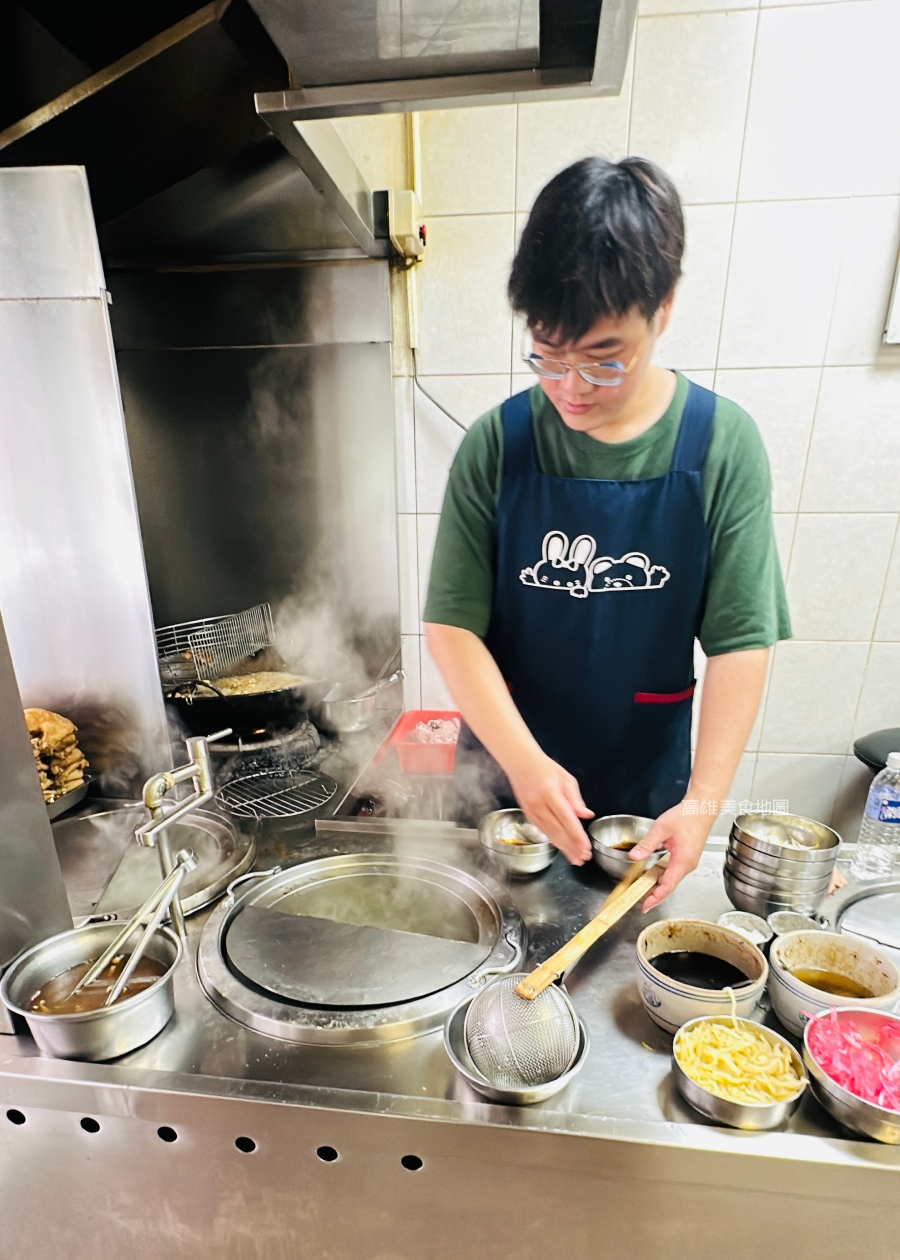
x,y
612,372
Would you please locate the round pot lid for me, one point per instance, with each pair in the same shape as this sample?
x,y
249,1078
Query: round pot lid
x,y
360,938
874,918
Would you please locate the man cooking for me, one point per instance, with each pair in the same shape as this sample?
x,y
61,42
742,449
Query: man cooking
x,y
593,527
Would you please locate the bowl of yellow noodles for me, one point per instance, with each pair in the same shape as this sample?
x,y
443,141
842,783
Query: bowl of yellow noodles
x,y
737,1072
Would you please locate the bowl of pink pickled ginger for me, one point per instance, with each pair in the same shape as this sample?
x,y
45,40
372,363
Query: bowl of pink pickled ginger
x,y
852,1055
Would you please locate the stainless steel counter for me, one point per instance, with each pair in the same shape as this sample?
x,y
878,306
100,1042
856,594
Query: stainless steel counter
x,y
649,1140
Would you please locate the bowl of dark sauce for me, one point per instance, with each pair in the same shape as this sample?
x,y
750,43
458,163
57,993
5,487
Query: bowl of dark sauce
x,y
687,968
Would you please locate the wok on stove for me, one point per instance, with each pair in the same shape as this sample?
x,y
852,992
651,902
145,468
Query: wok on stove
x,y
204,708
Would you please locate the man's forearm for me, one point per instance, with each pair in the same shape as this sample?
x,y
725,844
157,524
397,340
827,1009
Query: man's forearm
x,y
731,694
481,695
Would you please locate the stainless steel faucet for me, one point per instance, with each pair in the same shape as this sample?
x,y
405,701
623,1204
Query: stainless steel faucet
x,y
153,833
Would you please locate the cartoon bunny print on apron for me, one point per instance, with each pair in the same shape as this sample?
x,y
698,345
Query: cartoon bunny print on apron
x,y
574,569
604,685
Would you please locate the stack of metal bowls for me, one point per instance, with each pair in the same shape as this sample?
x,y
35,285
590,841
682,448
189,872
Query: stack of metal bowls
x,y
779,862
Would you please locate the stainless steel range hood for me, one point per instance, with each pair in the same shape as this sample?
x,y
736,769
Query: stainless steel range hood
x,y
372,56
181,168
362,41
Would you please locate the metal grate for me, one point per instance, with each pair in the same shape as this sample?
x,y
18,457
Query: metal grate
x,y
208,649
272,795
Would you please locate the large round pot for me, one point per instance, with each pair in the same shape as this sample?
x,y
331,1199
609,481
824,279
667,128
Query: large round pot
x,y
204,709
92,1035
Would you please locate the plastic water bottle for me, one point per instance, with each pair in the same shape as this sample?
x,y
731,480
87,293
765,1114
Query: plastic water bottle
x,y
879,834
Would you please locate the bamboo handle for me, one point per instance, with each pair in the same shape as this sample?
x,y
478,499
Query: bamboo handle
x,y
612,910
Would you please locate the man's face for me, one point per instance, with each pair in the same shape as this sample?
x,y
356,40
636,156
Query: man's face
x,y
628,339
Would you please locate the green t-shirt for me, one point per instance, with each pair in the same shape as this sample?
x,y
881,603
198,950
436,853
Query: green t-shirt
x,y
745,602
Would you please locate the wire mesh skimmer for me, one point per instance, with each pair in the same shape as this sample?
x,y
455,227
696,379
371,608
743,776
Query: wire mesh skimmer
x,y
515,1042
276,794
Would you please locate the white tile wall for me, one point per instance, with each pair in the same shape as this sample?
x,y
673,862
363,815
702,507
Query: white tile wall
x,y
404,444
692,338
855,450
808,783
812,697
851,798
427,533
469,160
888,624
437,437
648,8
778,122
879,703
838,566
781,283
782,401
408,554
868,256
410,647
690,97
824,88
465,325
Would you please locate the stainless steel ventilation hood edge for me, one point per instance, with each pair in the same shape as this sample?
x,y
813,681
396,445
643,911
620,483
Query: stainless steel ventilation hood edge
x,y
280,110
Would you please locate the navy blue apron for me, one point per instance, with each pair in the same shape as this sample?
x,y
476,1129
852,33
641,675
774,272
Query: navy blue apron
x,y
599,591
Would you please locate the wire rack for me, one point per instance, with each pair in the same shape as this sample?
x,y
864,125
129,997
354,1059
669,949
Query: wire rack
x,y
209,648
274,795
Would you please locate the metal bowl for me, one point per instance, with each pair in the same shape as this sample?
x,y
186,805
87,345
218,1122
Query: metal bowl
x,y
757,930
722,1110
345,710
502,834
788,866
779,884
458,1053
756,900
766,867
855,1113
766,832
92,1035
613,838
784,921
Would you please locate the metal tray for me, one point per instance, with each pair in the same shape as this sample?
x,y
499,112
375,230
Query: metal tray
x,y
63,804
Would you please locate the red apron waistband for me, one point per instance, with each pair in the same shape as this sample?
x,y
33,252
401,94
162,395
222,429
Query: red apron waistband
x,y
664,697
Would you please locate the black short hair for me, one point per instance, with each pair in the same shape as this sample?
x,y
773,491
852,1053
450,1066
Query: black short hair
x,y
602,238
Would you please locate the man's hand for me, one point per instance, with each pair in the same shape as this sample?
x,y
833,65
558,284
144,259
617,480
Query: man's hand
x,y
684,835
551,800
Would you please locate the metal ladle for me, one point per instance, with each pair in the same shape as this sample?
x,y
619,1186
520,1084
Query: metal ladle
x,y
156,905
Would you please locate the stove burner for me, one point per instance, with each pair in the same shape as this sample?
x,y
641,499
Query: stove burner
x,y
274,794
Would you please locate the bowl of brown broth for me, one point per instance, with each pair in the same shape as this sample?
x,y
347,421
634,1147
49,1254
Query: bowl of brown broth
x,y
612,839
38,987
812,971
688,967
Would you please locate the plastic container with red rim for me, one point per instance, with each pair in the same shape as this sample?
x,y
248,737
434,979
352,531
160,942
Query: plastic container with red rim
x,y
416,757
